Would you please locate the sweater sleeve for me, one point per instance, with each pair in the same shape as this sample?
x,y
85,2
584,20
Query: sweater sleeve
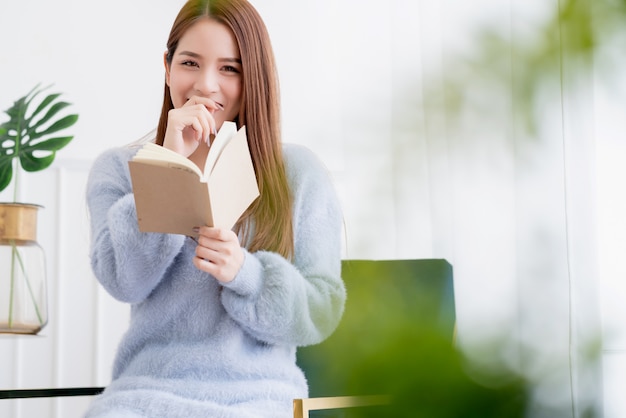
x,y
128,263
301,302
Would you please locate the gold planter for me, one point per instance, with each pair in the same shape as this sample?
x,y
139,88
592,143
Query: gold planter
x,y
23,290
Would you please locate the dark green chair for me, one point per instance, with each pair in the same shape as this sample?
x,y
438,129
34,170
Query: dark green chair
x,y
384,298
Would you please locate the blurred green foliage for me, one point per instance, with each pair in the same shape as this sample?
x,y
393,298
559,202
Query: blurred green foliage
x,y
420,368
522,64
427,377
396,339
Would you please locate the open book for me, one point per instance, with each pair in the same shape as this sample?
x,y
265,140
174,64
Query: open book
x,y
172,195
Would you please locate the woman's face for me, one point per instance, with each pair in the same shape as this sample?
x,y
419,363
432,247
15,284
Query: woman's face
x,y
207,63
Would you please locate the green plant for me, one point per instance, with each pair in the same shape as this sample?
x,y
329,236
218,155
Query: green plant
x,y
30,137
30,140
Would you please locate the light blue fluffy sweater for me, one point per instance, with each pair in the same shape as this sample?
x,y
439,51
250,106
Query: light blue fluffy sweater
x,y
194,347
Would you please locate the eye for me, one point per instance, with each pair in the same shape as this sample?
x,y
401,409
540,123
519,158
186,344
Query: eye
x,y
230,69
189,63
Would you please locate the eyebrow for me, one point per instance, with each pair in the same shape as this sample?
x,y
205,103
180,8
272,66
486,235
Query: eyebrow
x,y
195,55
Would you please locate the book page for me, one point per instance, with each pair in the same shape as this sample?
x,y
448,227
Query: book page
x,y
154,154
232,183
226,132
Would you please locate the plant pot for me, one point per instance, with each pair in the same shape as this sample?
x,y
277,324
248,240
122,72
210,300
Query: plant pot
x,y
23,290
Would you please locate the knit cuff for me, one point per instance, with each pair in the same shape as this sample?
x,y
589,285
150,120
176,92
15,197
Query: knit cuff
x,y
248,280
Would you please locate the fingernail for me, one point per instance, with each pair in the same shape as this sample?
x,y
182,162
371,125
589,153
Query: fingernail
x,y
196,229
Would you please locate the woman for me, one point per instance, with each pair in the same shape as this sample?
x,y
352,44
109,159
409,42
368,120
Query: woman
x,y
215,322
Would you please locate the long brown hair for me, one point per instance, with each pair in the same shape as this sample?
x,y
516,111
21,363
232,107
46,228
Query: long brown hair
x,y
267,224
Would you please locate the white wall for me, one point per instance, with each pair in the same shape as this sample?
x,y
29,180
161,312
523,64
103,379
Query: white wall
x,y
348,79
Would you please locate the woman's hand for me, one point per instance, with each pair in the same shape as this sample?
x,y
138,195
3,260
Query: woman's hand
x,y
190,124
218,253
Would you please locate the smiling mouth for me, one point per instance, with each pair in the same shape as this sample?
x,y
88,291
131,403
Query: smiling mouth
x,y
218,104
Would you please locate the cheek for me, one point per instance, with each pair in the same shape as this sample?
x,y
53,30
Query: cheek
x,y
178,89
230,114
176,101
233,92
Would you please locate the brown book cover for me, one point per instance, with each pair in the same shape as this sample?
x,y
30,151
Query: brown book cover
x,y
172,195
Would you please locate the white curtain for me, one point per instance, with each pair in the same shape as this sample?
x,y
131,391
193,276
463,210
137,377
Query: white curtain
x,y
519,218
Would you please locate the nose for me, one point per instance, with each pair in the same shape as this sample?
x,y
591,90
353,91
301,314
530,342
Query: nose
x,y
207,82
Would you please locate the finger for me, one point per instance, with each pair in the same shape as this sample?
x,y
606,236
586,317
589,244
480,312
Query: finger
x,y
199,119
192,117
203,264
206,119
210,104
213,249
193,127
198,128
212,256
219,234
206,253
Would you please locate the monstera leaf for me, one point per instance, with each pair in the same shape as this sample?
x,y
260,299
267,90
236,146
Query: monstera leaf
x,y
33,137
